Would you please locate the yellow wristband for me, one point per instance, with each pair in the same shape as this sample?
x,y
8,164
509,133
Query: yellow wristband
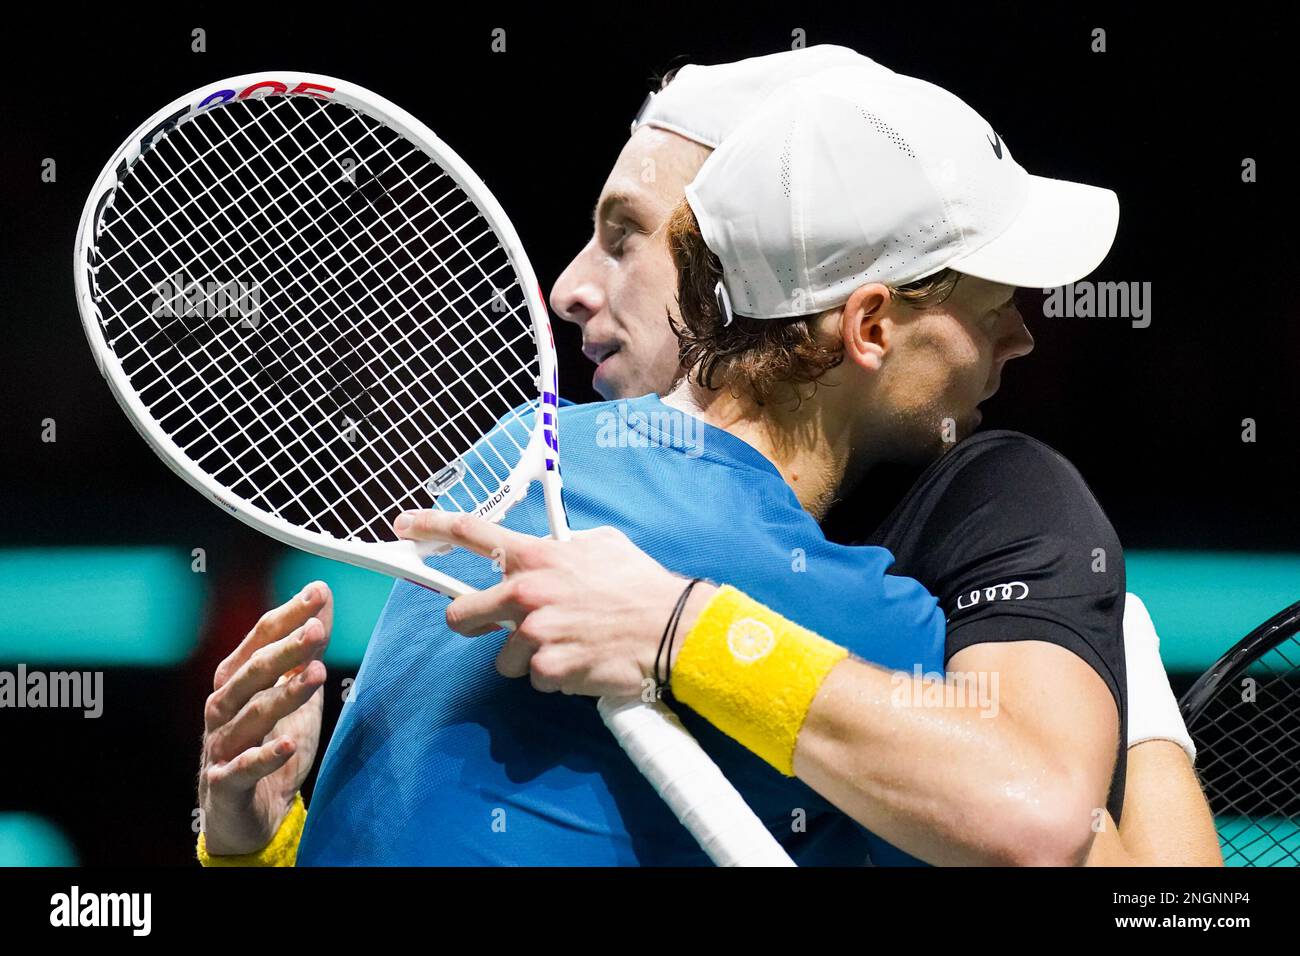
x,y
281,851
752,674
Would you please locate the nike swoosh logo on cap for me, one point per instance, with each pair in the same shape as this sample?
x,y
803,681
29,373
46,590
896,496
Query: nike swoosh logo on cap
x,y
996,142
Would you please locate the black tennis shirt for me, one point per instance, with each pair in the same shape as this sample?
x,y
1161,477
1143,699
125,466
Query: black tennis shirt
x,y
1004,531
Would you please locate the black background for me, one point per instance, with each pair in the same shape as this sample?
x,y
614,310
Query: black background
x,y
1152,417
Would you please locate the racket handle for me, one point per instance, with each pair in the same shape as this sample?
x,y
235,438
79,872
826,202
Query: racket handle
x,y
691,784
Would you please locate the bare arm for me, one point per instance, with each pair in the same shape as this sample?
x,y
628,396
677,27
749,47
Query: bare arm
x,y
956,785
1166,821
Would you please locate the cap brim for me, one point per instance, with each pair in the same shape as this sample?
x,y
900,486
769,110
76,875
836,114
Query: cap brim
x,y
1061,235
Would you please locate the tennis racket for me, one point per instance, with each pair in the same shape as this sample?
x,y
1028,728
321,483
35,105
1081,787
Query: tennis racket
x,y
318,316
1244,716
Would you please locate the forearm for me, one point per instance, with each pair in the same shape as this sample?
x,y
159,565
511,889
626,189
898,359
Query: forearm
x,y
950,785
1166,820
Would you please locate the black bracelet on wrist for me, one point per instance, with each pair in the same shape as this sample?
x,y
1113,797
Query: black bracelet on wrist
x,y
670,636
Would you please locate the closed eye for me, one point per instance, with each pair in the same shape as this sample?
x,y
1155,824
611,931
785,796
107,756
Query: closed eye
x,y
615,234
612,236
614,220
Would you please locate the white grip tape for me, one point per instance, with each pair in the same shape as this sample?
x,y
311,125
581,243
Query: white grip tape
x,y
691,784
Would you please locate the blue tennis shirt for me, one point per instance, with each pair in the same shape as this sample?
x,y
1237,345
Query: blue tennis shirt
x,y
439,760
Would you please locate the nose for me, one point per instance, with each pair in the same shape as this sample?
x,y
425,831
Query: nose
x,y
1017,342
578,293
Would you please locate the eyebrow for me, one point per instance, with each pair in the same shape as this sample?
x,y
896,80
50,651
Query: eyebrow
x,y
611,200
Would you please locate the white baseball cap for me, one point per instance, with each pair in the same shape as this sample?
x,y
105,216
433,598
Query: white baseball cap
x,y
855,175
705,103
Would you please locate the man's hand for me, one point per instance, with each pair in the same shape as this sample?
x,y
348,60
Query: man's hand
x,y
262,723
588,613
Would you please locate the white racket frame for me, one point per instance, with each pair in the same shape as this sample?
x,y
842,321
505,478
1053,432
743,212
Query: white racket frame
x,y
663,750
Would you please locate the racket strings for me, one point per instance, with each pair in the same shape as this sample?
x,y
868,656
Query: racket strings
x,y
261,368
154,228
286,398
391,328
455,234
1248,743
333,299
177,387
460,204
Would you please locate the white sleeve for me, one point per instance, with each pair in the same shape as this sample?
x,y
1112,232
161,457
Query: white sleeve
x,y
1152,710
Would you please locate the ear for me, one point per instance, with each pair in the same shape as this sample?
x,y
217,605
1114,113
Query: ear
x,y
865,327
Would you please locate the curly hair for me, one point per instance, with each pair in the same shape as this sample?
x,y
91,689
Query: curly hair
x,y
756,355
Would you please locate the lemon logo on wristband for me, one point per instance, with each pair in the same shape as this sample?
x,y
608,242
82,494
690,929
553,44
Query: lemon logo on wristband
x,y
750,640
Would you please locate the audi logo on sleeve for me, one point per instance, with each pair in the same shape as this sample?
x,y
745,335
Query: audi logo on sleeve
x,y
1011,591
